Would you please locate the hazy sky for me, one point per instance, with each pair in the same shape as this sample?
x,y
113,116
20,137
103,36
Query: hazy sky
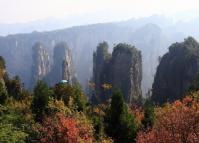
x,y
12,11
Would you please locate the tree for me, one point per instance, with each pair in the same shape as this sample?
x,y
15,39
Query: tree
x,y
2,63
120,124
14,87
80,99
65,92
176,123
3,93
61,129
40,100
10,134
149,115
98,126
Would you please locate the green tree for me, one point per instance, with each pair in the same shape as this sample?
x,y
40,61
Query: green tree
x,y
40,100
11,134
2,63
98,126
65,92
80,99
119,123
14,87
149,114
3,93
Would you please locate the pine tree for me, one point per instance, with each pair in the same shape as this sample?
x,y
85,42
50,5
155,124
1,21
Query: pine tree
x,y
120,124
3,93
149,115
40,100
80,99
14,87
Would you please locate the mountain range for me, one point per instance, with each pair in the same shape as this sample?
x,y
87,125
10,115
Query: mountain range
x,y
151,35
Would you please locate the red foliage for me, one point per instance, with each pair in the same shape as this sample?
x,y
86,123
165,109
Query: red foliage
x,y
176,123
61,129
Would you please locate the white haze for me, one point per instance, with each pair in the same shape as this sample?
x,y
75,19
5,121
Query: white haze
x,y
22,16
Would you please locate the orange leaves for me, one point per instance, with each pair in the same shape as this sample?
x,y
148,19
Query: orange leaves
x,y
68,129
177,103
177,123
61,129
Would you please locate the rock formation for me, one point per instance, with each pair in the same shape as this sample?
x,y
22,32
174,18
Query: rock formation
x,y
126,71
82,40
122,70
62,65
176,72
100,59
67,69
41,62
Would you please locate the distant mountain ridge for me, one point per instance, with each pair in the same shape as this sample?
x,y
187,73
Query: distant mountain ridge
x,y
151,39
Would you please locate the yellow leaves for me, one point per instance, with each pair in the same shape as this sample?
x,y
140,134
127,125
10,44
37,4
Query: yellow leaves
x,y
19,105
106,86
106,140
59,106
98,111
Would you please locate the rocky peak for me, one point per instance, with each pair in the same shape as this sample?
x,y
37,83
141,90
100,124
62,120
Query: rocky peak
x,y
122,70
126,67
67,68
176,72
100,58
41,62
62,64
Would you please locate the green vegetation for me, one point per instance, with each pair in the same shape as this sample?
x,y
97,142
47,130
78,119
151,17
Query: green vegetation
x,y
40,100
149,114
120,124
62,113
3,93
2,63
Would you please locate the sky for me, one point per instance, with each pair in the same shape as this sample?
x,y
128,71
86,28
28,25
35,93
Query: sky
x,y
17,11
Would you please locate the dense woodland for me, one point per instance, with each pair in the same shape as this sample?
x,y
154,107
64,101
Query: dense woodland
x,y
64,114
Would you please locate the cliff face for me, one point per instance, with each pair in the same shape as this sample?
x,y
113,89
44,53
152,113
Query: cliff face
x,y
41,62
100,72
122,70
176,72
62,65
127,71
67,68
82,40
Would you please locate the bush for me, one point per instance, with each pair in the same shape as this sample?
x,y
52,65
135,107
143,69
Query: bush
x,y
177,122
62,129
